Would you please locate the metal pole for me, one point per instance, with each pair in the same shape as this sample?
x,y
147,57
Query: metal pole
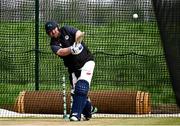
x,y
37,45
64,98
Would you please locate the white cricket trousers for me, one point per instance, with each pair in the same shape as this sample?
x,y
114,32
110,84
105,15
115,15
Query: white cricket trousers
x,y
86,73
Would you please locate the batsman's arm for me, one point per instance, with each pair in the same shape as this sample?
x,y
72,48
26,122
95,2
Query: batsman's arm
x,y
75,49
63,51
79,36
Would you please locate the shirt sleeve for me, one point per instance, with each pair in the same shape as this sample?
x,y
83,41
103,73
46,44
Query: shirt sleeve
x,y
55,48
71,30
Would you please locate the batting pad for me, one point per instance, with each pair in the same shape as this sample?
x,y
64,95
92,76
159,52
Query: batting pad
x,y
108,102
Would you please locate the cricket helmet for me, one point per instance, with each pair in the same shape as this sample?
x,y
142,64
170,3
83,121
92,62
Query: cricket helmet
x,y
50,25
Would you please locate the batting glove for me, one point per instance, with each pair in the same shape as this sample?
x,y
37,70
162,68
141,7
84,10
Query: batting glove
x,y
76,48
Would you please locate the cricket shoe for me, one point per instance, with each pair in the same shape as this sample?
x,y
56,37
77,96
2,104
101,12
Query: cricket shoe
x,y
74,118
93,111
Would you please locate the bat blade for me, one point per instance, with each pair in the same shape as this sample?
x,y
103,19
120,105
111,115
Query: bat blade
x,y
80,38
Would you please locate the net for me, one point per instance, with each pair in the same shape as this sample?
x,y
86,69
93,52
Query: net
x,y
128,50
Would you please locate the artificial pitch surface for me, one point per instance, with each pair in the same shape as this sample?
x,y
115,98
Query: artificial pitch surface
x,y
9,118
92,122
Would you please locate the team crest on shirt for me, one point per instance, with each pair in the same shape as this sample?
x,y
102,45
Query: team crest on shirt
x,y
67,37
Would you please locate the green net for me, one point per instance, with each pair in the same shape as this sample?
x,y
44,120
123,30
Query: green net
x,y
128,51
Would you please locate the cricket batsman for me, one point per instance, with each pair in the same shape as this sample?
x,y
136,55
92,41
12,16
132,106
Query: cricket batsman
x,y
67,43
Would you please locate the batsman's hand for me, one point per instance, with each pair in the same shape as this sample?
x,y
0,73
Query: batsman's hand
x,y
76,48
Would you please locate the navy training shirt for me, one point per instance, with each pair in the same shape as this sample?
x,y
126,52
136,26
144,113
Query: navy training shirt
x,y
66,39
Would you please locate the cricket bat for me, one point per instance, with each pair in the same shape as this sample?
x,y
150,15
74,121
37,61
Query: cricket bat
x,y
80,38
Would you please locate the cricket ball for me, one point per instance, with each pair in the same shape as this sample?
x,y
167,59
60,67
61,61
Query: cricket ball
x,y
135,16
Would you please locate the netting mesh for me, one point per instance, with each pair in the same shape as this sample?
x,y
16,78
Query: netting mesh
x,y
128,51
